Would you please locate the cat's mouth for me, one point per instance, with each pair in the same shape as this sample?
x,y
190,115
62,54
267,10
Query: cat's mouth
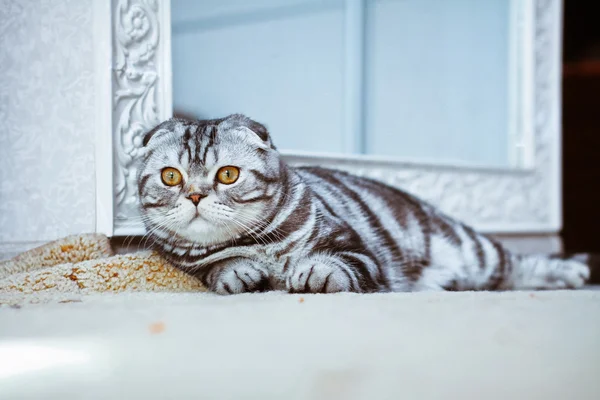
x,y
198,216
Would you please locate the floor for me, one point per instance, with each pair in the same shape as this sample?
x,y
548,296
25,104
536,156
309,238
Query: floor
x,y
517,345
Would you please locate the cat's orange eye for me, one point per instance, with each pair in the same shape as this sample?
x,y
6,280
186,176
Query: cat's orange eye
x,y
171,176
228,175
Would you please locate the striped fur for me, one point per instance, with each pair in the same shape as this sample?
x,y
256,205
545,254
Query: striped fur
x,y
312,229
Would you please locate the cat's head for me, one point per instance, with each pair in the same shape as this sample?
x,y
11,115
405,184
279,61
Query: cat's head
x,y
208,181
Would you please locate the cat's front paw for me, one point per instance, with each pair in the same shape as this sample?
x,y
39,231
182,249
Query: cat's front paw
x,y
240,277
319,276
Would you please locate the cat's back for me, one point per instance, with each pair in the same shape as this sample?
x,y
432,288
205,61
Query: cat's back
x,y
352,196
394,225
337,182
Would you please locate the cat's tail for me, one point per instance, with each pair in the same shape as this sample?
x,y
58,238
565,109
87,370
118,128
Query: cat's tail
x,y
533,272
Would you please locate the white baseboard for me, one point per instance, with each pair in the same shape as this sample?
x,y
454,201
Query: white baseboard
x,y
529,244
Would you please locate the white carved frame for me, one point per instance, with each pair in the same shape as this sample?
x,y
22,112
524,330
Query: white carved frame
x,y
134,80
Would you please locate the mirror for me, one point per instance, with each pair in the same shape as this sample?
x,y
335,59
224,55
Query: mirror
x,y
434,81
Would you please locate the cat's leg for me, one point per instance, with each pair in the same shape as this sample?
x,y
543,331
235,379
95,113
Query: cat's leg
x,y
236,275
343,272
477,262
543,272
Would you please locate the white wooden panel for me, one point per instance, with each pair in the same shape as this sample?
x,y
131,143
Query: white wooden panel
x,y
283,66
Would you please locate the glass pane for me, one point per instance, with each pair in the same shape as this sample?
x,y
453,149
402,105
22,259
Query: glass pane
x,y
279,62
438,80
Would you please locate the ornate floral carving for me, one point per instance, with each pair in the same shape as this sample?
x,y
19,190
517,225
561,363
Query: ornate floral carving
x,y
483,198
135,44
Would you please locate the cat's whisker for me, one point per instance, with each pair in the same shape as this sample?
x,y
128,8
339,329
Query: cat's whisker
x,y
167,224
128,240
248,231
262,225
258,225
247,228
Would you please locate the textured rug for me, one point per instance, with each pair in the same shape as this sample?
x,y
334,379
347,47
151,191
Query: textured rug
x,y
85,264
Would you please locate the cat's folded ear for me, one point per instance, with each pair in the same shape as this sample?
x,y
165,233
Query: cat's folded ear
x,y
241,121
158,131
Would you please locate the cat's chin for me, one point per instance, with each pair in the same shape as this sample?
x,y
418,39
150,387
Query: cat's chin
x,y
206,233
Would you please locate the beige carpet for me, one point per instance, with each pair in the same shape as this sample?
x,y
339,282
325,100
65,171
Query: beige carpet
x,y
513,345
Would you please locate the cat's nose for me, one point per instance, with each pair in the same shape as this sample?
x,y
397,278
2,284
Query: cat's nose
x,y
195,197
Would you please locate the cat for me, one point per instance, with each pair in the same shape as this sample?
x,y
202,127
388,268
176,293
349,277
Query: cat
x,y
219,202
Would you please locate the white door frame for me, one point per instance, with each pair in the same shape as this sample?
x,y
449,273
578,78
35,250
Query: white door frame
x,y
133,93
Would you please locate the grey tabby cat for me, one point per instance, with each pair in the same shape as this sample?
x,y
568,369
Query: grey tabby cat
x,y
219,202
